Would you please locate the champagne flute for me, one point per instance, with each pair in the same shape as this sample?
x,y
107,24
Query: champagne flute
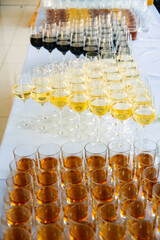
x,y
22,90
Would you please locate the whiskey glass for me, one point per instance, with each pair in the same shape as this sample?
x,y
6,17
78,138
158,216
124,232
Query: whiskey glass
x,y
144,154
48,156
118,153
48,213
113,230
136,210
81,231
95,156
47,177
78,213
22,166
20,179
72,155
128,193
101,194
17,216
25,156
155,198
49,232
16,233
98,175
150,178
108,212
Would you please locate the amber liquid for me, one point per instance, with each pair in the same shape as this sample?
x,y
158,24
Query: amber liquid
x,y
114,232
25,164
96,162
47,214
81,232
47,178
103,193
72,177
17,234
48,163
109,212
19,196
76,194
49,232
149,181
135,211
46,195
72,162
123,175
142,231
144,160
156,201
118,160
78,213
99,176
22,180
130,193
18,216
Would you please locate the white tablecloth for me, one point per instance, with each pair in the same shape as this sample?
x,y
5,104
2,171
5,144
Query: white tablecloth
x,y
147,53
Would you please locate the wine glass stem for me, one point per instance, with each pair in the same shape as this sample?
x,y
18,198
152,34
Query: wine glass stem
x,y
79,124
120,128
60,120
98,128
64,58
25,112
142,135
50,57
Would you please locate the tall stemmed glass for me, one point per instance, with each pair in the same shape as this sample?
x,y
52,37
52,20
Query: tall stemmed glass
x,y
22,90
49,38
79,102
59,96
41,94
36,37
63,38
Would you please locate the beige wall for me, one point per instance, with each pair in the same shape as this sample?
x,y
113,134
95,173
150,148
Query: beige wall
x,y
19,2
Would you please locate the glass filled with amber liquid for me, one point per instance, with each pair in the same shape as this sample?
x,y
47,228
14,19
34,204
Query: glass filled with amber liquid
x,y
98,175
16,233
108,212
48,156
150,178
17,216
48,232
136,210
101,194
74,194
47,178
81,231
144,154
155,198
129,192
95,156
71,176
118,154
20,179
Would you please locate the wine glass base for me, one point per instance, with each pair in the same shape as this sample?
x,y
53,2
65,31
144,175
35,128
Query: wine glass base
x,y
25,124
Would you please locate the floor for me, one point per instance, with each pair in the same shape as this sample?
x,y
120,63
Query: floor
x,y
14,43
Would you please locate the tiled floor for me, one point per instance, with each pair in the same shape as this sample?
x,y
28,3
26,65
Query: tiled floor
x,y
14,43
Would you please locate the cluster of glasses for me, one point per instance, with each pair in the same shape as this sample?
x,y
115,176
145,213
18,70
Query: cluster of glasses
x,y
95,192
95,33
94,88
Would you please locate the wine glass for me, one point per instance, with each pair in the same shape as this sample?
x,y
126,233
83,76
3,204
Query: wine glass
x,y
90,44
99,106
63,38
49,37
76,43
144,115
36,37
59,97
22,90
41,94
121,110
79,102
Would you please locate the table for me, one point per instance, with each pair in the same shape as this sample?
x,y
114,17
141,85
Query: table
x,y
147,53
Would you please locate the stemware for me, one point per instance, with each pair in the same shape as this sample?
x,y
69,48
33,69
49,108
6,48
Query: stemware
x,y
22,90
36,37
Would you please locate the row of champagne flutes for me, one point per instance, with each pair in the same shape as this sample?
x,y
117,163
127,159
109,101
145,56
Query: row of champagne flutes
x,y
106,32
110,89
65,193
